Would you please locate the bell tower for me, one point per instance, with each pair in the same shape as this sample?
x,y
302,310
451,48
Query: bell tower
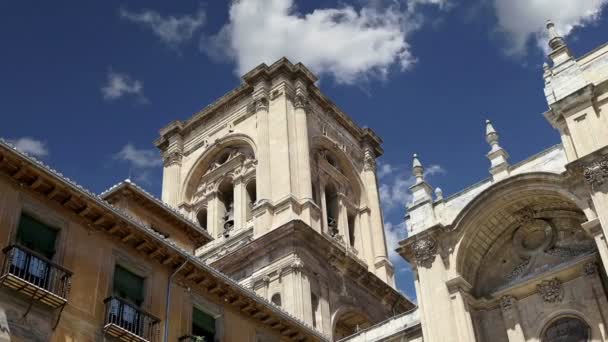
x,y
286,184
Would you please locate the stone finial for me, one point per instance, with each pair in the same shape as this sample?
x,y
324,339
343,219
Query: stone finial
x,y
498,156
438,194
417,169
555,40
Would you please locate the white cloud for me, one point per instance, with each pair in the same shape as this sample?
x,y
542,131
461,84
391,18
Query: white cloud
x,y
139,158
347,43
119,85
171,30
522,20
394,233
394,192
30,146
384,169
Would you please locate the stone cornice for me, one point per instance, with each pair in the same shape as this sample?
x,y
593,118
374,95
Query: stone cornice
x,y
95,213
294,233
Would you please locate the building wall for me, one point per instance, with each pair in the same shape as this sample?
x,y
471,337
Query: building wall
x,y
91,256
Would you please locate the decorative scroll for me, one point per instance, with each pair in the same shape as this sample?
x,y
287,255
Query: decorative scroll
x,y
425,250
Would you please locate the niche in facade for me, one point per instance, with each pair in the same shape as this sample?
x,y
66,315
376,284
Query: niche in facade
x,y
276,299
351,229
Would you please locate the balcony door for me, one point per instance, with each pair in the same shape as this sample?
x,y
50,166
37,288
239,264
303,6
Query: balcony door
x,y
203,325
39,238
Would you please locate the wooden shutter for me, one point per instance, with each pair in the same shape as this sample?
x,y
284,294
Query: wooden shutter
x,y
128,286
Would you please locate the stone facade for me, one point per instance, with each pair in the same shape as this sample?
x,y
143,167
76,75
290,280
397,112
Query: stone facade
x,y
522,256
286,185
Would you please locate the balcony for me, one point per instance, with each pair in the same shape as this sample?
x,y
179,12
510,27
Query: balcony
x,y
192,338
35,276
127,322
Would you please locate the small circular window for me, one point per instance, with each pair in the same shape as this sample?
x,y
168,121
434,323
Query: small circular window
x,y
566,329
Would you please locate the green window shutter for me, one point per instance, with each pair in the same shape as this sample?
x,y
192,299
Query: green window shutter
x,y
128,285
36,236
202,323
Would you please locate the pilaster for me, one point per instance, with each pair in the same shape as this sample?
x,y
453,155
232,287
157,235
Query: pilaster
x,y
512,320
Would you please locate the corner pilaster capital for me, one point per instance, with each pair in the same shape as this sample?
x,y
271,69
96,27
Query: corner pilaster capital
x,y
596,172
173,158
507,302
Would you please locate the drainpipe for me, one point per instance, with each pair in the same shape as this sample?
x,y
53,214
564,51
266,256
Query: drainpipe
x,y
168,301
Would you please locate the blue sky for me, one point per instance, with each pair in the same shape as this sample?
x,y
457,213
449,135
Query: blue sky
x,y
86,86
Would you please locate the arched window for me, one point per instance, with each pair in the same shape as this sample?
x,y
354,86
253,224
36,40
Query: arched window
x,y
333,209
251,198
315,308
226,197
566,329
201,217
351,229
276,299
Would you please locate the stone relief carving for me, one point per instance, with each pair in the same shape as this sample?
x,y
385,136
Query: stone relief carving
x,y
300,101
590,268
596,173
425,250
518,270
507,302
551,290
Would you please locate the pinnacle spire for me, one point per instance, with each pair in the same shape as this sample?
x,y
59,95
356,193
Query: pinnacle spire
x,y
417,169
555,40
499,167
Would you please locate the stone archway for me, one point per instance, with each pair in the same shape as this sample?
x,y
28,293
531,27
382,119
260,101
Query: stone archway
x,y
348,321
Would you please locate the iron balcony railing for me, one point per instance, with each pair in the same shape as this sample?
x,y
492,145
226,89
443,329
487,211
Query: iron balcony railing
x,y
192,338
35,272
128,322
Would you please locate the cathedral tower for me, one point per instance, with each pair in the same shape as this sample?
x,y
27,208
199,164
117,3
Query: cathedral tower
x,y
286,184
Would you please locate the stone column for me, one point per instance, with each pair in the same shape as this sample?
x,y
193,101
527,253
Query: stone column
x,y
343,219
366,248
324,301
433,295
213,215
594,229
377,225
240,203
323,203
590,271
510,315
459,288
300,103
172,178
263,182
595,172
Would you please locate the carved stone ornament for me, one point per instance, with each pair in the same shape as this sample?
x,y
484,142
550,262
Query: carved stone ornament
x,y
369,159
596,173
173,158
297,263
258,104
300,101
551,291
525,215
507,301
590,268
425,250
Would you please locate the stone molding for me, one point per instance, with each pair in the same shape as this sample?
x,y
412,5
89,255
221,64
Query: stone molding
x,y
425,250
596,172
369,158
507,302
551,291
173,158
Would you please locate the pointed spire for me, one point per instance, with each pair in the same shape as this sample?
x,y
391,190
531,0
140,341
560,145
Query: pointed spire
x,y
492,136
417,169
555,40
421,190
499,167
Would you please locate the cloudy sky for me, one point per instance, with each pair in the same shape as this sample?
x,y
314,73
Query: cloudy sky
x,y
85,86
